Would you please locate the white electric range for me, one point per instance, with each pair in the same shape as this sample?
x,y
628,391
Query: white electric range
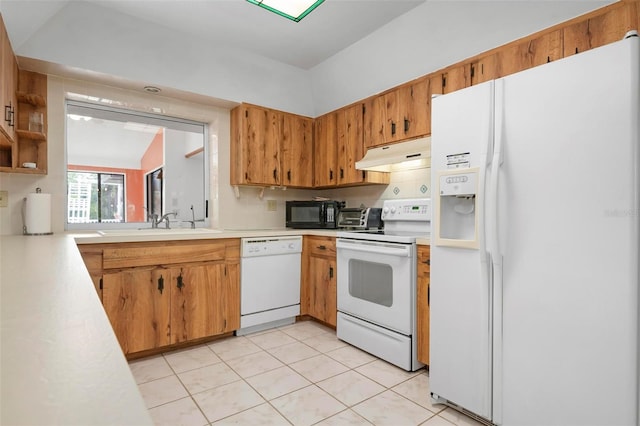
x,y
377,283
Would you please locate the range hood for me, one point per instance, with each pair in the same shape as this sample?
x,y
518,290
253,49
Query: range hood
x,y
413,154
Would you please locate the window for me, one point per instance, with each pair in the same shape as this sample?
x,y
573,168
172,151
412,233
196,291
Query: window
x,y
95,197
124,167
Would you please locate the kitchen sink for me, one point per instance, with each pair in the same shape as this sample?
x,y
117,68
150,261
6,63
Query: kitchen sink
x,y
157,231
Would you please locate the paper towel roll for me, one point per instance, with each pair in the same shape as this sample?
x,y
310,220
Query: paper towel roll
x,y
37,214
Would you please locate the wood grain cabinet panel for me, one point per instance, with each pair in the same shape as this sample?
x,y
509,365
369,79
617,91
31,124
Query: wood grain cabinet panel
x,y
325,146
157,295
521,56
456,78
205,301
297,151
600,30
137,302
422,308
255,142
397,115
319,279
350,144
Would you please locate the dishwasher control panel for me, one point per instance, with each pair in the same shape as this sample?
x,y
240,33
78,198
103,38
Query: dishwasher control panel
x,y
269,246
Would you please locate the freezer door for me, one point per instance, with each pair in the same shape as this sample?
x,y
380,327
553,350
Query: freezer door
x,y
568,236
460,340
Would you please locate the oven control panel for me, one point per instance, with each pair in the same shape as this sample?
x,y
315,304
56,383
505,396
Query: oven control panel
x,y
414,209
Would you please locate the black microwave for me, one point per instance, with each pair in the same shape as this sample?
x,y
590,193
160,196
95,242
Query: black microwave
x,y
313,214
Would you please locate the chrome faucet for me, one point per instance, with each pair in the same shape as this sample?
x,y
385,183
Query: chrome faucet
x,y
165,219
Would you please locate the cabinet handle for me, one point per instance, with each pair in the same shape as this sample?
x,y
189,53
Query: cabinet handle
x,y
427,262
341,173
160,284
289,175
330,271
322,247
330,174
406,125
7,112
180,281
100,283
393,128
428,295
275,174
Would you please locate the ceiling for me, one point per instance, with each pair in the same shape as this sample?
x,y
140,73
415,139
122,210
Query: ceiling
x,y
333,26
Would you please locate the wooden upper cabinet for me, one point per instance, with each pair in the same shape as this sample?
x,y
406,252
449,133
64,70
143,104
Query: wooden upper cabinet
x,y
270,147
325,150
456,78
297,151
8,87
397,115
485,69
527,54
350,144
255,145
599,30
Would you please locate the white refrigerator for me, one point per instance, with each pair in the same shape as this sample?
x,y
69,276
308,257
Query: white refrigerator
x,y
534,251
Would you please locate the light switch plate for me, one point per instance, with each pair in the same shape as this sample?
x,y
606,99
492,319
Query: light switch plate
x,y
4,198
272,205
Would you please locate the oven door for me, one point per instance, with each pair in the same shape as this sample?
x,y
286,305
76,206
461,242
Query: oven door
x,y
376,282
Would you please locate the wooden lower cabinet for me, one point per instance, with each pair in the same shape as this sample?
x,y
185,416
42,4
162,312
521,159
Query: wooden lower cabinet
x,y
204,301
157,295
424,270
137,302
319,286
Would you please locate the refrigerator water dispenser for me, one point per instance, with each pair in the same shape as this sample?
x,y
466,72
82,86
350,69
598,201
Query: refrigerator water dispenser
x,y
457,214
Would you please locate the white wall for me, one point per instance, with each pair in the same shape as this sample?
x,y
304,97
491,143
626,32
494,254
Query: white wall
x,y
428,38
86,36
435,34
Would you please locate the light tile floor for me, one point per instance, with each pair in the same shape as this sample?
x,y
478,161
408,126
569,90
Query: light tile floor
x,y
300,374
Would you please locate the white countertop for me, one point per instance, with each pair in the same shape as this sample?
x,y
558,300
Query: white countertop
x,y
89,237
60,360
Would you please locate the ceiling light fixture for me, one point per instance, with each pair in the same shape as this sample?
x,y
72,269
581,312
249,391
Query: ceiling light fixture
x,y
290,9
152,89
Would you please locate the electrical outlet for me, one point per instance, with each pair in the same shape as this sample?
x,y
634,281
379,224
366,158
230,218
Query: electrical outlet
x,y
4,198
272,205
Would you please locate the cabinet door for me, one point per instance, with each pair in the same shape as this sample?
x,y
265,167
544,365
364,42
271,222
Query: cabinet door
x,y
9,82
422,309
297,151
204,301
322,289
350,144
325,151
255,146
375,113
414,109
456,78
137,302
600,30
531,53
485,69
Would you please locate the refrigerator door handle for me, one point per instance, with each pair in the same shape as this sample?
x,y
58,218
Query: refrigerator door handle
x,y
496,255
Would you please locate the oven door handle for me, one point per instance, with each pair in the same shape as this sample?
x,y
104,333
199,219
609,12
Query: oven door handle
x,y
390,249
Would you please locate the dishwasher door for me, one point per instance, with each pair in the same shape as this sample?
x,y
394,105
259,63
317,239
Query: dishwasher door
x,y
269,282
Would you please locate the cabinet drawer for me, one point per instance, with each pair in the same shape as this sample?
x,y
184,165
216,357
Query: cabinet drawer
x,y
147,254
320,246
424,260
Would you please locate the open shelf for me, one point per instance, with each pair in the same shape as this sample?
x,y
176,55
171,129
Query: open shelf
x,y
34,136
31,99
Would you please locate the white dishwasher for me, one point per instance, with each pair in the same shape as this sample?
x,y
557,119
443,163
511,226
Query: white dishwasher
x,y
269,282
